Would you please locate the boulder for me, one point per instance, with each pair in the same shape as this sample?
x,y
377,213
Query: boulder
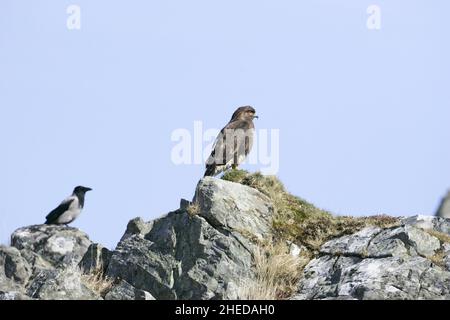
x,y
60,284
196,256
125,291
404,262
205,250
96,258
14,269
13,295
429,223
47,247
42,264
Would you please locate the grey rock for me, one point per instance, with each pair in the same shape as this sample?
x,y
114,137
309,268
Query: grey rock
x,y
46,247
184,204
13,267
322,275
422,242
234,207
429,223
420,221
393,263
295,250
137,226
60,284
377,243
41,264
402,241
385,246
196,257
444,207
352,245
125,291
96,258
13,295
434,284
446,250
143,295
373,279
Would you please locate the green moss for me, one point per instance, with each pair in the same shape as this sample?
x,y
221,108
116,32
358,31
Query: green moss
x,y
235,175
300,221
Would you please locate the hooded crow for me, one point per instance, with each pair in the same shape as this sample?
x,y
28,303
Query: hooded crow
x,y
69,209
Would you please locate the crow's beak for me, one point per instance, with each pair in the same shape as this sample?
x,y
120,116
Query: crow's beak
x,y
88,189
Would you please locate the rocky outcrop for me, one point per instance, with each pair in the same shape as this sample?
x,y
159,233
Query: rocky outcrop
x,y
42,264
122,290
60,284
47,247
14,269
200,255
405,262
95,259
206,250
201,251
444,208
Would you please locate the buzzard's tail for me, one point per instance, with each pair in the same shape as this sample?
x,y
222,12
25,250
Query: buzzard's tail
x,y
210,171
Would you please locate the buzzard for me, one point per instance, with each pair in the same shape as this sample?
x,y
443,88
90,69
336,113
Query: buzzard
x,y
233,143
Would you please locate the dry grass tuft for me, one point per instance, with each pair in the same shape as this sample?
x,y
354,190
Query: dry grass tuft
x,y
193,209
276,274
97,281
443,237
438,258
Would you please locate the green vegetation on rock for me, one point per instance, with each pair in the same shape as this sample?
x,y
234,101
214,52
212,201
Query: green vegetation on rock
x,y
299,221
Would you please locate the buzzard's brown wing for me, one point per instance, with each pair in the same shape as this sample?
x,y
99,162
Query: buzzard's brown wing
x,y
232,145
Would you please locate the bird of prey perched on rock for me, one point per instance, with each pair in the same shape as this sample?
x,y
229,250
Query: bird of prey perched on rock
x,y
69,209
233,143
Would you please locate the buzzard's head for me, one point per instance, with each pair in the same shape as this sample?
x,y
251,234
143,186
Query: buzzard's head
x,y
244,113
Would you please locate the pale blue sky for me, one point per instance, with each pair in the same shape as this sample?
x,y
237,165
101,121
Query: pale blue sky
x,y
363,115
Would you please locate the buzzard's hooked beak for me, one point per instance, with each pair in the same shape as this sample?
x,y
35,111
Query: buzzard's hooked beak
x,y
255,117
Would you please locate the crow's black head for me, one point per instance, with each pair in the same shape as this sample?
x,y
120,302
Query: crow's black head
x,y
81,190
